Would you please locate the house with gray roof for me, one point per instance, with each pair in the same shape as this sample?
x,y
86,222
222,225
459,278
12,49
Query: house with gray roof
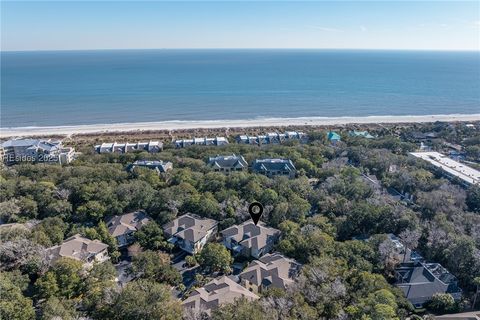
x,y
272,138
270,271
81,249
274,167
227,164
114,147
157,165
217,141
219,291
123,227
420,281
36,150
190,232
250,240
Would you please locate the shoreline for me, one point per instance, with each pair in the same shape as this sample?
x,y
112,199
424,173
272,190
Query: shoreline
x,y
217,124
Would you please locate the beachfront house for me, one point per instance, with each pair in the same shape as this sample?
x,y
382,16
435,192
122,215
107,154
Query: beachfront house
x,y
296,135
36,150
114,147
333,138
79,248
270,271
217,141
190,232
250,240
227,164
157,165
123,227
272,138
361,134
219,291
274,167
420,281
246,139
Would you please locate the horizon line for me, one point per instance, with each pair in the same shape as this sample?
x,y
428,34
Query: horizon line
x,y
272,48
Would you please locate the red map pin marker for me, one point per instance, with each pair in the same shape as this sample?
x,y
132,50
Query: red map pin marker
x,y
255,209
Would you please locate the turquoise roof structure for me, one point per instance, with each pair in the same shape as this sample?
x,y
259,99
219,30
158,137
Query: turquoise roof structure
x,y
333,136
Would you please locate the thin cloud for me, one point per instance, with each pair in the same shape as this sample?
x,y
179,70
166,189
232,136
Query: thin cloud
x,y
363,29
327,29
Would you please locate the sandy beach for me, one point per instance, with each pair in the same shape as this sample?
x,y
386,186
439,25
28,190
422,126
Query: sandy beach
x,y
207,124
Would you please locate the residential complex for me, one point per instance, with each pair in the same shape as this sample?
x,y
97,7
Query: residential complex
x,y
36,150
270,271
81,249
215,293
272,138
217,141
114,147
274,167
190,232
250,240
123,227
226,164
450,168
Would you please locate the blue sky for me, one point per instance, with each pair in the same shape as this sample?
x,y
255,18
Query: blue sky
x,y
70,25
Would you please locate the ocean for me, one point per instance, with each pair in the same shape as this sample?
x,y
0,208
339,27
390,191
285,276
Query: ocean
x,y
124,86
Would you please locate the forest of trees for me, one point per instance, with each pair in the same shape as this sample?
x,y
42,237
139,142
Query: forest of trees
x,y
319,213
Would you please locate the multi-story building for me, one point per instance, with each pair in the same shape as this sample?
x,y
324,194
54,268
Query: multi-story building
x,y
36,150
420,281
274,167
114,147
217,292
250,240
123,227
190,232
273,138
270,271
227,164
450,168
217,141
158,166
81,249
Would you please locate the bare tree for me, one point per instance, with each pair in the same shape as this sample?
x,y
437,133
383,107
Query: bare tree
x,y
409,238
389,254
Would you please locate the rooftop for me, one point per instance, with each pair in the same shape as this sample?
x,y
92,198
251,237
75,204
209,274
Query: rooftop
x,y
273,165
76,247
127,223
32,143
189,227
217,292
333,136
250,235
151,164
272,269
419,281
227,161
455,168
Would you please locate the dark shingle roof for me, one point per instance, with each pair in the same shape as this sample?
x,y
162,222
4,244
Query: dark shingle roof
x,y
232,161
261,165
